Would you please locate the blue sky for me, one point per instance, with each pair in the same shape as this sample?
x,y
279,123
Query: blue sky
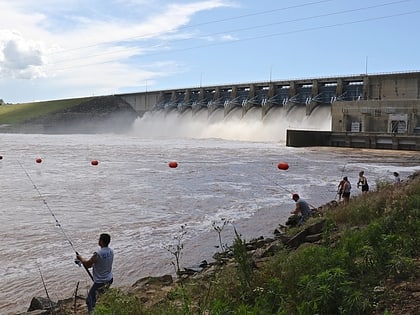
x,y
70,48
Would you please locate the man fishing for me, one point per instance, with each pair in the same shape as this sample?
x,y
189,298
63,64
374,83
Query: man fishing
x,y
101,261
302,208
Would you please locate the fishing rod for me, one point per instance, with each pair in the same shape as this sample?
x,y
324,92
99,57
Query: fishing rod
x,y
57,223
46,290
282,187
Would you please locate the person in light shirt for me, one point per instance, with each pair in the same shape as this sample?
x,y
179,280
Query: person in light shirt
x,y
101,262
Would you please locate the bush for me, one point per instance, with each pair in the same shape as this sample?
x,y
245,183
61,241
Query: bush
x,y
377,241
330,292
116,302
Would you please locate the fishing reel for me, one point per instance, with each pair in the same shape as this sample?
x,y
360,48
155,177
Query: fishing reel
x,y
78,262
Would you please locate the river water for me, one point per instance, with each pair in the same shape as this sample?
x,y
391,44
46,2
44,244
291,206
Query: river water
x,y
227,170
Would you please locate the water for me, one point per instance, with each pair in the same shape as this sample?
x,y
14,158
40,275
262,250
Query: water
x,y
227,169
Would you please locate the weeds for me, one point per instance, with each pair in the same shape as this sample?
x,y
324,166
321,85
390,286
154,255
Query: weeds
x,y
116,302
365,244
219,228
244,269
176,249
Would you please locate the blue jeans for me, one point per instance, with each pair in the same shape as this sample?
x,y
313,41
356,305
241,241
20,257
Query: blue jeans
x,y
94,292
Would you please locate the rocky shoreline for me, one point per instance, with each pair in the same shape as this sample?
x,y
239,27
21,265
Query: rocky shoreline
x,y
153,289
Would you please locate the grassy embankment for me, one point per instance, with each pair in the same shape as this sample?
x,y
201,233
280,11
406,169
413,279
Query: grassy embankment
x,y
19,113
366,263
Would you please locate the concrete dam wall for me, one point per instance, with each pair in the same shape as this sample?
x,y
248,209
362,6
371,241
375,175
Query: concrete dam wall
x,y
362,106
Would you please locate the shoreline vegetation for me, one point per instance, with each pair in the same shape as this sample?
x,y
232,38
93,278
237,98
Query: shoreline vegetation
x,y
360,258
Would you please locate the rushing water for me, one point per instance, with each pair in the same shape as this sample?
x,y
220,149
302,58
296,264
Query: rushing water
x,y
227,169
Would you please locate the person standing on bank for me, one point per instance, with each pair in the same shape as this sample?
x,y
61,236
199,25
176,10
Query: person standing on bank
x,y
363,182
302,208
101,261
397,178
340,189
346,190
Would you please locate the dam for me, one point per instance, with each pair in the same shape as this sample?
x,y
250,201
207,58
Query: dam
x,y
368,110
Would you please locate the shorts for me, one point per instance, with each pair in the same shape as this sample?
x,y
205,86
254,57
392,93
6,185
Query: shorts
x,y
365,187
346,194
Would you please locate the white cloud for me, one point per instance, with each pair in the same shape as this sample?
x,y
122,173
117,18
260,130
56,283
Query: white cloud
x,y
20,58
228,37
87,46
95,41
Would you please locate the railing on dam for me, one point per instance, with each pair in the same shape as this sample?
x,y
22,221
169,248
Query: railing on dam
x,y
263,95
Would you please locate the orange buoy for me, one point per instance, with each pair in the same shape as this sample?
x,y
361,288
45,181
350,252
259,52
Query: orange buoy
x,y
94,162
38,160
283,166
173,164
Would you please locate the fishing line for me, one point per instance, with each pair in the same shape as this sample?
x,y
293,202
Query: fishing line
x,y
57,223
276,184
341,178
284,188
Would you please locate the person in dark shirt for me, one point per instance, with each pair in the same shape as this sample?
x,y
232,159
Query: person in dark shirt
x,y
302,208
363,182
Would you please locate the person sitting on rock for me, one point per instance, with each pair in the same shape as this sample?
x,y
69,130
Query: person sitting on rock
x,y
302,208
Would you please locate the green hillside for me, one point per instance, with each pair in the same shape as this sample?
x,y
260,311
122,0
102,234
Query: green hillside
x,y
18,113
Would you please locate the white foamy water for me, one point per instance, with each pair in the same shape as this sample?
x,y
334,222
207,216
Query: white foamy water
x,y
227,169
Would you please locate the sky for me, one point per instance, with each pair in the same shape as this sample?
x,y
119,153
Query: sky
x,y
63,49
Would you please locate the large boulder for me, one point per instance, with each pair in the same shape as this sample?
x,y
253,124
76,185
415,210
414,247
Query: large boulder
x,y
41,303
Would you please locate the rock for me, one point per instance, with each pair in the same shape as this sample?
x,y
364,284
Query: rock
x,y
316,228
293,220
194,269
261,254
298,239
302,236
162,280
37,312
41,303
283,238
314,238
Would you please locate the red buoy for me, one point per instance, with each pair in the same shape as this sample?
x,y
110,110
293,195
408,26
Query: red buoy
x,y
173,164
283,166
38,160
94,162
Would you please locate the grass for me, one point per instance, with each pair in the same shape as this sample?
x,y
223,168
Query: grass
x,y
368,244
18,113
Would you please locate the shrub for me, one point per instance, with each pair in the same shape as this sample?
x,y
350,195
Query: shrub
x,y
244,269
330,292
116,302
